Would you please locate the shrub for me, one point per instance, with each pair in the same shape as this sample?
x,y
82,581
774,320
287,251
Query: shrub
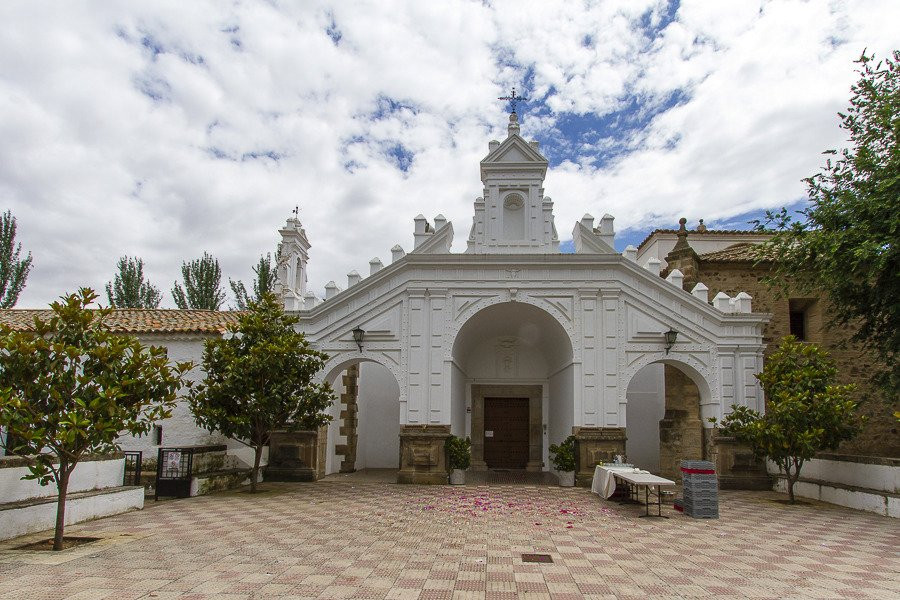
x,y
563,455
459,452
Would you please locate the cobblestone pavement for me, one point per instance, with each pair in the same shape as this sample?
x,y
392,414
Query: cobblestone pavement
x,y
347,538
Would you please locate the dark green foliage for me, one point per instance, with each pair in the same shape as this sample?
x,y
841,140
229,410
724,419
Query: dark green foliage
x,y
805,411
129,290
69,387
260,378
459,452
264,282
13,270
202,279
563,455
845,242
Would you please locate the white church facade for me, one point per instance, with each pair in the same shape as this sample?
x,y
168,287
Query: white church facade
x,y
514,343
511,343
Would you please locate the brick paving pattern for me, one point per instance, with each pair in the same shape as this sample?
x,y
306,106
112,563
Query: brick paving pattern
x,y
356,539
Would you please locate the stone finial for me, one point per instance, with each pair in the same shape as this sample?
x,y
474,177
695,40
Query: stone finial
x,y
397,252
588,221
353,278
701,292
439,221
375,265
676,278
742,302
309,301
421,223
513,128
630,253
682,242
654,265
607,231
722,301
493,145
701,227
331,290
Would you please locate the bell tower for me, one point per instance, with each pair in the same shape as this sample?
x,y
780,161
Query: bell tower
x,y
513,216
293,254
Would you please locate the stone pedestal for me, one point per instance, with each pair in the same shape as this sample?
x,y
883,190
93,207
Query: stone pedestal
x,y
423,457
736,466
595,444
293,456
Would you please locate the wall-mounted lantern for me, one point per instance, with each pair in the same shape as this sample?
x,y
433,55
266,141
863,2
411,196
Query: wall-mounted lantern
x,y
671,336
358,335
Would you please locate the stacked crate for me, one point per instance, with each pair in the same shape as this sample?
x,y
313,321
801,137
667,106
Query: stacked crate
x,y
701,489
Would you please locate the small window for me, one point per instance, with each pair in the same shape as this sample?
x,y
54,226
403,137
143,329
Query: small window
x,y
798,324
157,435
798,317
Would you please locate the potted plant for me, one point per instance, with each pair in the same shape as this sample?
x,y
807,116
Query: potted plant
x,y
563,458
459,456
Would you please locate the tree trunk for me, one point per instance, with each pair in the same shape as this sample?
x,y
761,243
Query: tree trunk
x,y
62,487
254,475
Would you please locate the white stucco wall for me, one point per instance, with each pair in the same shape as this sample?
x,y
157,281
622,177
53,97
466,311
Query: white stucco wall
x,y
180,429
379,419
459,424
88,475
41,517
561,415
646,397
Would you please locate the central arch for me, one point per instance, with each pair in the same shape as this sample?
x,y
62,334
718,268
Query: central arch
x,y
512,385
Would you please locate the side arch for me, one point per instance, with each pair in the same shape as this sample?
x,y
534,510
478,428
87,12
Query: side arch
x,y
703,375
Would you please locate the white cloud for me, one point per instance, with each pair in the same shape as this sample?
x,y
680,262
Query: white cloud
x,y
93,168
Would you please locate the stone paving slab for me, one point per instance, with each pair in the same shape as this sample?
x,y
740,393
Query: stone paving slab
x,y
356,539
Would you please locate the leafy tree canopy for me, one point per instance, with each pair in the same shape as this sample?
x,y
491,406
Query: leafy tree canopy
x,y
129,290
845,242
13,270
805,411
264,283
202,289
69,387
260,378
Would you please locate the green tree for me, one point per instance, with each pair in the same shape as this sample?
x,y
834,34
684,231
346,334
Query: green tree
x,y
202,289
806,412
259,378
13,270
265,282
129,290
69,387
845,242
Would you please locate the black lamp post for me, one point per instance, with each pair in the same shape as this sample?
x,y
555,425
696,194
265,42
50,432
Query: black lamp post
x,y
358,335
671,336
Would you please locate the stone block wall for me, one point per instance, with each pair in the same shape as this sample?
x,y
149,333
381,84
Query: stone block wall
x,y
880,435
349,420
680,430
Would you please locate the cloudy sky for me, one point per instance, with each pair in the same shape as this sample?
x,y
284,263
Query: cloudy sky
x,y
166,129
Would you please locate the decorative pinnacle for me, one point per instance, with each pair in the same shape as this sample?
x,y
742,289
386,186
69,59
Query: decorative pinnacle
x,y
296,212
513,100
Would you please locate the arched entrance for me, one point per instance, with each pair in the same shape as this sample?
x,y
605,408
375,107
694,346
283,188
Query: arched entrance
x,y
512,386
364,432
663,417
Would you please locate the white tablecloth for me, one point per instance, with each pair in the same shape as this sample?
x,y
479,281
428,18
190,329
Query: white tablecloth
x,y
604,483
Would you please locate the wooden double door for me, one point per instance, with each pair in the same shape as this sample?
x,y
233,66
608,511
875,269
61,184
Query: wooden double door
x,y
506,433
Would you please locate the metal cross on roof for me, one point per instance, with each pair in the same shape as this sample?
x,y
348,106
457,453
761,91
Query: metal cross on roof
x,y
513,99
296,212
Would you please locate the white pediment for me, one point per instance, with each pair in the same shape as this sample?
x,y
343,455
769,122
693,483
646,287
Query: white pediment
x,y
514,149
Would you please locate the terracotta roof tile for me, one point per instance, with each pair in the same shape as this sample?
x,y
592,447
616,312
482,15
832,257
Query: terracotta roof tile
x,y
134,320
743,252
694,232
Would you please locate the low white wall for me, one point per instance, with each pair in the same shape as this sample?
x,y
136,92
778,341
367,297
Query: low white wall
x,y
88,475
856,482
41,517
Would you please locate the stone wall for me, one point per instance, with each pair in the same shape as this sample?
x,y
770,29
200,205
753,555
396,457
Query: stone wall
x,y
349,419
680,430
879,437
